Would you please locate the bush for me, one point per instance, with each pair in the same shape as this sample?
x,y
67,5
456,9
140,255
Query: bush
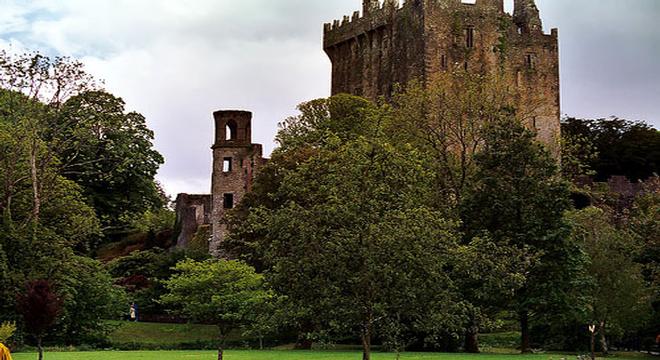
x,y
7,330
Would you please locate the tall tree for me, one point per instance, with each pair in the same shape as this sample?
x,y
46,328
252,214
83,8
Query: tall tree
x,y
520,199
446,117
618,299
351,251
110,154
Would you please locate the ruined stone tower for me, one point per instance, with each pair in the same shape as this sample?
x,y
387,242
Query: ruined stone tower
x,y
235,162
390,44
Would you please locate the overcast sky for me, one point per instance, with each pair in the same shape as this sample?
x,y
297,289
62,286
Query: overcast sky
x,y
177,61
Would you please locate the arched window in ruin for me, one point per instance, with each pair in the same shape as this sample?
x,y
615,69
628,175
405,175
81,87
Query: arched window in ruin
x,y
230,131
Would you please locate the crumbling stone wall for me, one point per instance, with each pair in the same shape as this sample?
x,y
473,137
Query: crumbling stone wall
x,y
192,211
392,44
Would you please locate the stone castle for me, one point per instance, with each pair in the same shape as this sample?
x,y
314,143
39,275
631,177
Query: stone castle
x,y
388,44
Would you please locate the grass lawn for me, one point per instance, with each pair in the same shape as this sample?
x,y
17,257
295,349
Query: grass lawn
x,y
151,333
278,355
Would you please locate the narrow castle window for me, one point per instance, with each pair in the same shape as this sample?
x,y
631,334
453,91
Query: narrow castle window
x,y
443,62
226,165
529,61
469,37
228,201
230,131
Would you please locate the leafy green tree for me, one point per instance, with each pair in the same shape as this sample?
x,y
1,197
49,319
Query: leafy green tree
x,y
644,223
89,299
445,118
221,292
110,154
624,147
520,199
47,217
299,138
578,155
356,242
618,299
487,275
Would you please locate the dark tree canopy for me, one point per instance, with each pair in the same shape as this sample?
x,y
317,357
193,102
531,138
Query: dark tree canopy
x,y
111,156
623,147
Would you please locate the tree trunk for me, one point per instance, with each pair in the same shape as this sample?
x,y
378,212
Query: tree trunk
x,y
366,342
524,332
221,342
304,344
593,345
472,340
40,348
36,206
603,340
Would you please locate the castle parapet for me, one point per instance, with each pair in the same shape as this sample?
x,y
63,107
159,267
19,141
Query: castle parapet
x,y
374,16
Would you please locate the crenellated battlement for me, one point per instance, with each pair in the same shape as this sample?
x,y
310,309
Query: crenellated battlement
x,y
377,13
374,15
391,42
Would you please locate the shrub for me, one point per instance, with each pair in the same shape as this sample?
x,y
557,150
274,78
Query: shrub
x,y
7,330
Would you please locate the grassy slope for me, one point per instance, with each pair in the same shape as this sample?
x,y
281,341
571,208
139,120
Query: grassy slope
x,y
275,355
150,333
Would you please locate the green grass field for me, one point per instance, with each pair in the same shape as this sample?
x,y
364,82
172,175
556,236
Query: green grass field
x,y
164,334
161,334
291,355
276,355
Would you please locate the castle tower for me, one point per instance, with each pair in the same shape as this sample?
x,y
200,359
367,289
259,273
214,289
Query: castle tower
x,y
526,16
394,44
235,163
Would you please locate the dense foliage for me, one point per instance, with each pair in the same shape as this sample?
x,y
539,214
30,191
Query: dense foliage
x,y
143,275
74,166
219,292
611,147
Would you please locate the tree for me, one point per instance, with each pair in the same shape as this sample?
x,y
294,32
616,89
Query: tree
x,y
519,199
446,117
624,147
143,275
644,223
299,138
618,299
488,275
352,252
40,307
221,292
89,298
34,88
110,154
46,217
64,124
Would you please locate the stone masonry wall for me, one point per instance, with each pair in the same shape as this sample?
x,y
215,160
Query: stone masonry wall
x,y
246,159
389,44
